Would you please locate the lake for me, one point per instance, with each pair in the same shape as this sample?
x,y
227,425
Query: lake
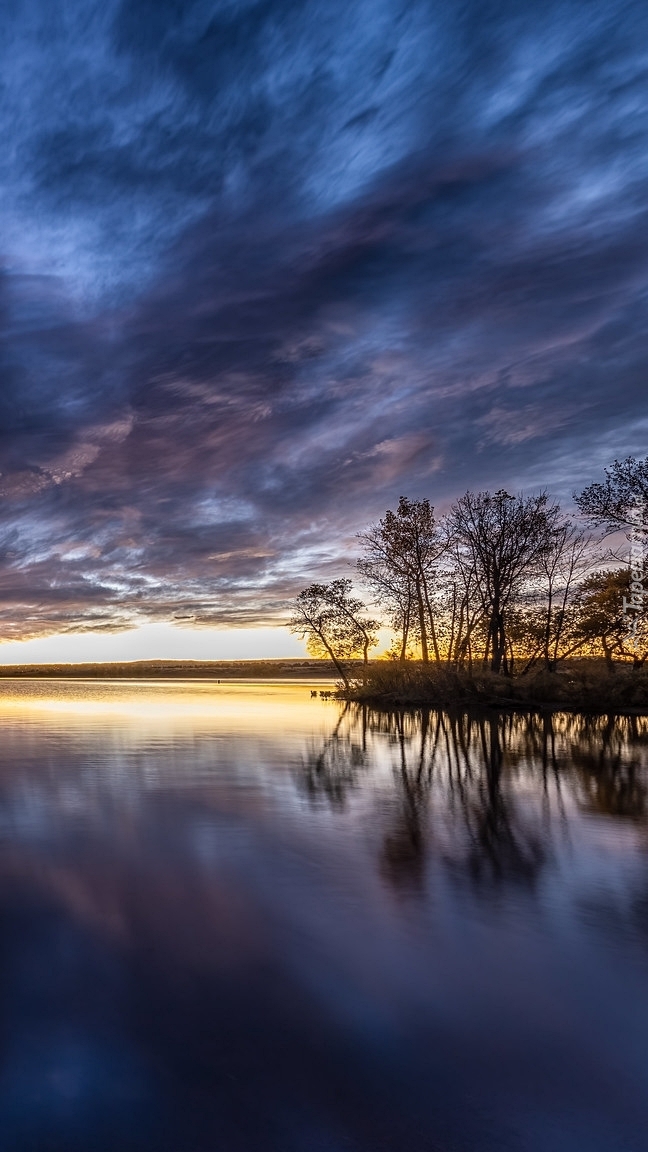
x,y
238,917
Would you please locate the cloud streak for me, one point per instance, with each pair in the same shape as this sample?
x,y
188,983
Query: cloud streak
x,y
269,265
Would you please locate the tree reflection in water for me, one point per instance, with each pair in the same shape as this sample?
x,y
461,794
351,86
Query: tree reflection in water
x,y
440,940
328,771
492,790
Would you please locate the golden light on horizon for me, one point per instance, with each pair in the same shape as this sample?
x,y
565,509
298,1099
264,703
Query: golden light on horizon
x,y
155,706
156,641
161,641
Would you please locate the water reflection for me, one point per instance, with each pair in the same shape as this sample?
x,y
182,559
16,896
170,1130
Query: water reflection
x,y
240,917
500,781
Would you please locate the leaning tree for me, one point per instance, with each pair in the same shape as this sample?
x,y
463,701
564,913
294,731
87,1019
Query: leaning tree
x,y
334,624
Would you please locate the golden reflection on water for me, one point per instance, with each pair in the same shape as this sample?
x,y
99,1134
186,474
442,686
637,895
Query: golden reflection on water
x,y
259,706
342,877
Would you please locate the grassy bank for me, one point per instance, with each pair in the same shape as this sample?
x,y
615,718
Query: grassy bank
x,y
583,685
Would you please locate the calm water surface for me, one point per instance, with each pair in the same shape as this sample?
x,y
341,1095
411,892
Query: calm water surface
x,y
239,918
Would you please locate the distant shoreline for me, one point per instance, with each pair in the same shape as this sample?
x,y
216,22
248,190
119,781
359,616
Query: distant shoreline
x,y
174,670
582,685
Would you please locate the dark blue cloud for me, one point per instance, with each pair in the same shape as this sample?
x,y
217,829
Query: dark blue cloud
x,y
268,265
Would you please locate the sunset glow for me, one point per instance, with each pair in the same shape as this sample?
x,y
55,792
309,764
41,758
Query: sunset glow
x,y
323,575
162,641
264,272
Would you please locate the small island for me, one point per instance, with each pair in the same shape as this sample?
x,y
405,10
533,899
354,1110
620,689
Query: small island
x,y
506,600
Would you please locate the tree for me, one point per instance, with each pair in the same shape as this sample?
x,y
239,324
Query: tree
x,y
566,558
621,500
464,614
394,592
400,552
601,621
500,540
331,621
359,632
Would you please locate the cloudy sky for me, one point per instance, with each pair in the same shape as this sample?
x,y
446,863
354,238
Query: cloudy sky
x,y
268,264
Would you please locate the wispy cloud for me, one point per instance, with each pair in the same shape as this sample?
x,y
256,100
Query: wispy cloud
x,y
269,265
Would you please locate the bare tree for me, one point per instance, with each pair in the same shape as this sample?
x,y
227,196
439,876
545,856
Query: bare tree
x,y
395,594
500,540
333,624
464,609
359,632
402,549
562,565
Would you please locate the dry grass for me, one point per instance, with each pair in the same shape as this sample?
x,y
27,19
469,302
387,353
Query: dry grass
x,y
582,685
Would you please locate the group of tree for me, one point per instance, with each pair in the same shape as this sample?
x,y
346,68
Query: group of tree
x,y
502,581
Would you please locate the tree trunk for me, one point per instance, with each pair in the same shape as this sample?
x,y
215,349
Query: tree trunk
x,y
494,646
433,635
547,631
406,628
335,660
421,610
453,623
454,653
365,660
607,652
498,640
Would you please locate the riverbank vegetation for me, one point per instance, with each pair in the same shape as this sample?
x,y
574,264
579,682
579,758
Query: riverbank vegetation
x,y
505,597
580,685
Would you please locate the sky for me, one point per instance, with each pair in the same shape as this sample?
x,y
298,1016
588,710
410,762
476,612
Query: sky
x,y
266,266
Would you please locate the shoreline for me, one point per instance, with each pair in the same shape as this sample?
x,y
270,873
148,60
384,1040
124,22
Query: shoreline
x,y
174,670
579,687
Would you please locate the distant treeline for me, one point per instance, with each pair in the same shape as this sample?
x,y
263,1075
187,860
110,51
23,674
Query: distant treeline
x,y
175,670
502,582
